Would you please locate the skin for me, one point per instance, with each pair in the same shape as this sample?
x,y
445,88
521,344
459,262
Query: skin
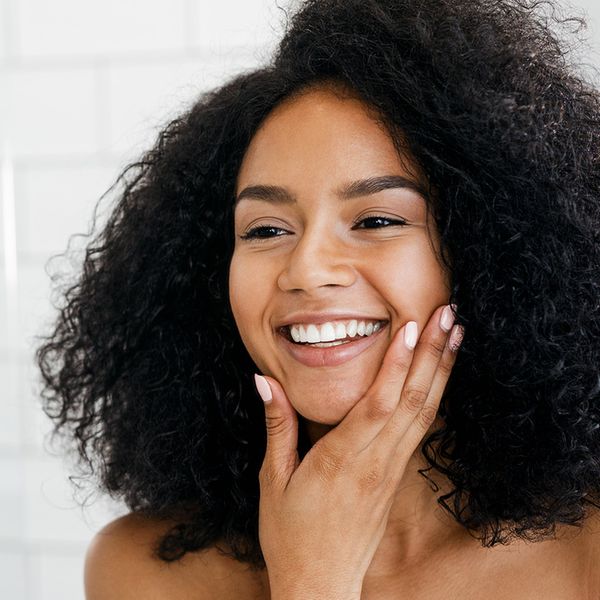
x,y
311,145
321,256
318,259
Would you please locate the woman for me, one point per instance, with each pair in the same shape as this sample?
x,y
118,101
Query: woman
x,y
396,158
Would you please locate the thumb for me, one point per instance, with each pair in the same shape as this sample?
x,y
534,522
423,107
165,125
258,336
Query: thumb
x,y
281,455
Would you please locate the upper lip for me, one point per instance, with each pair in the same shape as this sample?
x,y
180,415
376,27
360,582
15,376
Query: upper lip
x,y
322,317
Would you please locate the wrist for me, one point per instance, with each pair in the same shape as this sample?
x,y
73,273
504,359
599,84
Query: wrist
x,y
308,595
310,591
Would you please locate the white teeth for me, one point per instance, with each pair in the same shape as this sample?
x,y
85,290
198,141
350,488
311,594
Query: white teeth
x,y
300,334
312,334
352,327
329,332
295,333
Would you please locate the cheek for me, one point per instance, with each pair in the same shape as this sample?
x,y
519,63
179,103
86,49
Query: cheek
x,y
431,286
417,281
246,283
238,289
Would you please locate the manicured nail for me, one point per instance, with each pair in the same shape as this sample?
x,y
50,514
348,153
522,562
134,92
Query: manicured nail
x,y
447,318
263,387
411,332
456,337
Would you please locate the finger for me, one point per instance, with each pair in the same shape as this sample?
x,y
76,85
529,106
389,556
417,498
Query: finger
x,y
367,417
428,414
413,406
281,454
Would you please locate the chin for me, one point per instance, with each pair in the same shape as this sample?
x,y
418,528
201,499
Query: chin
x,y
328,406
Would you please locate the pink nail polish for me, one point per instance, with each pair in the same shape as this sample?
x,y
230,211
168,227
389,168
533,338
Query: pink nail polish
x,y
447,318
411,333
456,337
263,388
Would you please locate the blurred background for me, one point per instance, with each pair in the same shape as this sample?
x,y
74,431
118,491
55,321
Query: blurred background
x,y
85,86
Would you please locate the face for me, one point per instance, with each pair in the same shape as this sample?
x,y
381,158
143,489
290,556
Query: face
x,y
318,245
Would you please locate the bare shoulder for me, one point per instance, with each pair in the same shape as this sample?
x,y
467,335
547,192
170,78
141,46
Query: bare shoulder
x,y
120,565
592,537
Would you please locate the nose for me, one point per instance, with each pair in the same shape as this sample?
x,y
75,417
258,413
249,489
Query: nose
x,y
317,260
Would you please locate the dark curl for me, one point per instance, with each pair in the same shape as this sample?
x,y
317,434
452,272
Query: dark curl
x,y
146,371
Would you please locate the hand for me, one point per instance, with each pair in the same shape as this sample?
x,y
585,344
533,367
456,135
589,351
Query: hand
x,y
321,521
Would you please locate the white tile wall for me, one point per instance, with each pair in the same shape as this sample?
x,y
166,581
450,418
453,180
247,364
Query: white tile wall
x,y
10,405
141,98
76,28
84,86
59,575
50,111
14,574
35,426
56,202
47,487
233,23
3,30
12,490
35,313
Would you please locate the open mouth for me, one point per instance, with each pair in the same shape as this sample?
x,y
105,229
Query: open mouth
x,y
286,333
333,353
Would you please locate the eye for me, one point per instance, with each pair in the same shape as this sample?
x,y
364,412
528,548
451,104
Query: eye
x,y
254,232
400,222
261,233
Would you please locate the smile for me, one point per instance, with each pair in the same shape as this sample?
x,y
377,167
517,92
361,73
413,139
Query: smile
x,y
328,354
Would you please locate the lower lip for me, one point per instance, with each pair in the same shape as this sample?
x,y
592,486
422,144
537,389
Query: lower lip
x,y
332,356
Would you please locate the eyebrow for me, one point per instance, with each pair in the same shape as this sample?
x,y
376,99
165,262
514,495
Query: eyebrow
x,y
355,189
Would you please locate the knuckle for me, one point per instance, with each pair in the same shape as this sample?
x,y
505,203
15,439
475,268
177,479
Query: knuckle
x,y
371,478
329,463
445,368
276,424
427,416
378,409
398,367
435,347
414,398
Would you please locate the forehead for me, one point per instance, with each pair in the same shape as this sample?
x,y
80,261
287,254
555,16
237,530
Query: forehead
x,y
326,134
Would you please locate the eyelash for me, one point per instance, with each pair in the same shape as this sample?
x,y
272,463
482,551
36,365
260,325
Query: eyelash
x,y
252,233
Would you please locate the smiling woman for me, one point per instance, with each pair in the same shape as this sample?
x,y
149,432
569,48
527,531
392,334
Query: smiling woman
x,y
339,213
324,221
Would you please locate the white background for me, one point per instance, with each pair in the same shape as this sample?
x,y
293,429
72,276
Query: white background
x,y
84,87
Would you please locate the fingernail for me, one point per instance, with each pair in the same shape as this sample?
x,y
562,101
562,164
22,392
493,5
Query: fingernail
x,y
447,318
456,337
411,332
263,387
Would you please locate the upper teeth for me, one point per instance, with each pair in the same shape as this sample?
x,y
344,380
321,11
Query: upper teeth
x,y
332,330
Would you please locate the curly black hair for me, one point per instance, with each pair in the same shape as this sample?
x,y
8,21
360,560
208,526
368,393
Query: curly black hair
x,y
145,372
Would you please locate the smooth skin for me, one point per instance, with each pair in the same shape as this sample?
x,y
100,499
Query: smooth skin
x,y
338,499
376,254
356,509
